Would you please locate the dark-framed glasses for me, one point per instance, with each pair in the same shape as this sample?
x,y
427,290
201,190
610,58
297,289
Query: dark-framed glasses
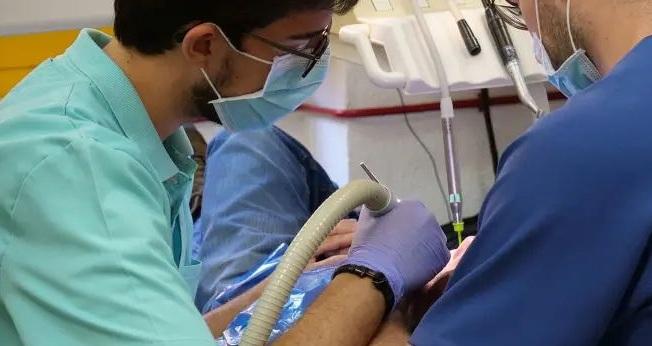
x,y
312,51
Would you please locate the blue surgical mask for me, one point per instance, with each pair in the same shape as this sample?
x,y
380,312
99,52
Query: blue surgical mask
x,y
576,73
284,91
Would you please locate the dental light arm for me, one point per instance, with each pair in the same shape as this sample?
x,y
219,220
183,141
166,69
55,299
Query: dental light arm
x,y
375,196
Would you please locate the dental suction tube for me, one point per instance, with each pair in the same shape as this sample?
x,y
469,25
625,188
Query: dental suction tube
x,y
508,55
376,197
453,173
447,117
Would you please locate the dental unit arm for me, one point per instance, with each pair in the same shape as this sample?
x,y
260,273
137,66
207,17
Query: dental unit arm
x,y
510,58
376,197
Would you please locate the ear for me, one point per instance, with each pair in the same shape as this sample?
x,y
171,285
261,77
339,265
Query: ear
x,y
204,43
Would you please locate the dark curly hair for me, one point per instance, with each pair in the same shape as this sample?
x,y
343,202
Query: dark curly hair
x,y
149,26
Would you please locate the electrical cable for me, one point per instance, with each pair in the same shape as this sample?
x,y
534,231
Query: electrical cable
x,y
430,156
485,108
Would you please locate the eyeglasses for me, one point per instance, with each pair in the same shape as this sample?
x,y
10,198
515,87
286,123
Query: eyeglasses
x,y
510,12
313,51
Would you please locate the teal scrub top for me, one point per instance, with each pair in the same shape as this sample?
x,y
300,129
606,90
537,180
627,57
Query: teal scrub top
x,y
95,229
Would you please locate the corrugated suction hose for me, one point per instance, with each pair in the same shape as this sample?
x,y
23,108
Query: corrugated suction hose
x,y
374,196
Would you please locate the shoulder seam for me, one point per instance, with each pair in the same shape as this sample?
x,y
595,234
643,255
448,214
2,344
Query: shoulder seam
x,y
67,102
38,165
29,174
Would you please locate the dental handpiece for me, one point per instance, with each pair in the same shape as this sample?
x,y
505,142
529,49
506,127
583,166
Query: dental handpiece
x,y
505,45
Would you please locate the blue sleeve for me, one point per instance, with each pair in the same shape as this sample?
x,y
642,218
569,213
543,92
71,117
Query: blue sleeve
x,y
562,235
255,198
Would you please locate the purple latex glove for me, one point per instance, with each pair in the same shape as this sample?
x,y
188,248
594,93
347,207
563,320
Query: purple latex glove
x,y
407,245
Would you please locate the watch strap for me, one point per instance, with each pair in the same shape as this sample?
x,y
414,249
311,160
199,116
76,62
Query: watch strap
x,y
377,278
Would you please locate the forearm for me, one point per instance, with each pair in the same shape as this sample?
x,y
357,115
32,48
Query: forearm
x,y
348,313
394,332
219,319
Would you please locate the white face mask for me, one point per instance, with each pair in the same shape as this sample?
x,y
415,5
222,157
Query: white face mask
x,y
284,91
577,73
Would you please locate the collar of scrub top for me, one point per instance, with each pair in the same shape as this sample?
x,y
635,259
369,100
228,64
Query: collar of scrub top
x,y
170,157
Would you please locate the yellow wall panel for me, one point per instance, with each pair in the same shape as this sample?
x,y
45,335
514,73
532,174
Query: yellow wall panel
x,y
19,54
9,78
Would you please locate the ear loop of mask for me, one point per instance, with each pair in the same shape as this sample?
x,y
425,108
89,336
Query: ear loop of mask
x,y
536,9
230,44
568,25
208,79
250,56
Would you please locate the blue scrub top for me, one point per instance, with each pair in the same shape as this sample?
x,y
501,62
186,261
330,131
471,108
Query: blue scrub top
x,y
564,254
95,228
260,188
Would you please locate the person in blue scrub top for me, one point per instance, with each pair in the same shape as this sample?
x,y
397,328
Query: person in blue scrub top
x,y
564,251
95,223
260,189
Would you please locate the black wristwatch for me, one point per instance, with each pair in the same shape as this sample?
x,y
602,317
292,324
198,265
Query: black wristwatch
x,y
377,278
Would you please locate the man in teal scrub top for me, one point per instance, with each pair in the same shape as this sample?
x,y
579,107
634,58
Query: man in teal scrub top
x,y
95,228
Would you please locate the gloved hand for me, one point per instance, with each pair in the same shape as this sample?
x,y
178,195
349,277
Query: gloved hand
x,y
407,245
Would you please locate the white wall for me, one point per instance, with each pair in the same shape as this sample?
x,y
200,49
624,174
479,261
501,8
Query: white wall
x,y
386,144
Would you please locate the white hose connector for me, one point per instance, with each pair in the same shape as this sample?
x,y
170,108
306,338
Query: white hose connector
x,y
268,308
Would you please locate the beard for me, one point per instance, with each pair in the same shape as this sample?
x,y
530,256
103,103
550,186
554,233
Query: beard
x,y
201,94
555,32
